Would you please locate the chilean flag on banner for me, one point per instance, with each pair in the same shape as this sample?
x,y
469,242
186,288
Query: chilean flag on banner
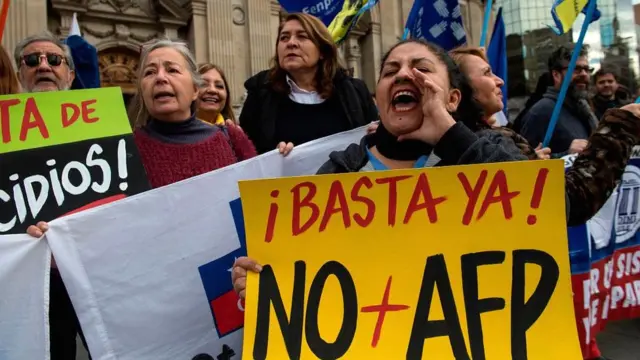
x,y
226,307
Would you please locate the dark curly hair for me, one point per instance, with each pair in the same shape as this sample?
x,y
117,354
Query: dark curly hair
x,y
561,56
469,111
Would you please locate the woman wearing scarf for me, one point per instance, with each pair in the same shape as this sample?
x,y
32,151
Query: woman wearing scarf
x,y
421,96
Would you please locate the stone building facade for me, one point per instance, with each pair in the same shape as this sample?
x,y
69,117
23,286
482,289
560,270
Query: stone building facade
x,y
238,35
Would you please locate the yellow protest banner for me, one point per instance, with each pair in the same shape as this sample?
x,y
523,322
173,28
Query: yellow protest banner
x,y
467,262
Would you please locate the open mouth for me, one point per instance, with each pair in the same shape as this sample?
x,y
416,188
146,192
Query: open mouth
x,y
404,100
210,99
45,81
164,95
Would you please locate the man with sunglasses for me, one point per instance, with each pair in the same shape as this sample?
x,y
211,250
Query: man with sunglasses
x,y
45,64
576,120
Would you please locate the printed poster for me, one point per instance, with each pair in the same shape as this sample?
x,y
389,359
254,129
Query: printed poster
x,y
465,262
63,152
605,259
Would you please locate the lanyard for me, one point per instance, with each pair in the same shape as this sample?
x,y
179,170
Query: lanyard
x,y
379,166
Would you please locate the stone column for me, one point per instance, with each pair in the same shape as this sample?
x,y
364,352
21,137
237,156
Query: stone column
x,y
198,31
66,18
353,55
26,17
219,37
275,22
260,40
390,24
372,53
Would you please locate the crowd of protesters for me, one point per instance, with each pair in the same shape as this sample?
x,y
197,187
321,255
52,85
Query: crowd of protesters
x,y
432,108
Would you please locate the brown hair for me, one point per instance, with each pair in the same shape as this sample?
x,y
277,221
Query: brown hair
x,y
8,79
328,65
458,56
460,53
227,110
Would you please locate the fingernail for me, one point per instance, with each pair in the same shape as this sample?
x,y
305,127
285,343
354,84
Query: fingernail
x,y
258,268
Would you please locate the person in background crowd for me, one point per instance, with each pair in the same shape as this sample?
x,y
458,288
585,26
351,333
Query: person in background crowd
x,y
486,85
214,99
474,64
576,121
8,80
595,173
544,81
45,64
607,95
306,95
420,94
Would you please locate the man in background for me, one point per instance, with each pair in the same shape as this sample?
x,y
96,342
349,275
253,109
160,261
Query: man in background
x,y
609,93
576,120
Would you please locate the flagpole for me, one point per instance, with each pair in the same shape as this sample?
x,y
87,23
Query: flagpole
x,y
412,14
3,17
591,6
485,23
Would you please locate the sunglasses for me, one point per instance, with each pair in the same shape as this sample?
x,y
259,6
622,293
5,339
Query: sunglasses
x,y
578,69
33,60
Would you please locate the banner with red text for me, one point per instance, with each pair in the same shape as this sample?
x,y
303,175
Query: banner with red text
x,y
444,263
605,260
63,152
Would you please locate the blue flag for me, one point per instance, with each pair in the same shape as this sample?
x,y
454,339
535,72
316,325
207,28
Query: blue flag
x,y
85,58
497,54
438,22
325,10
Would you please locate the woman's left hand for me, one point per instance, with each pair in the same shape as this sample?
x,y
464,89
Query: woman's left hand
x,y
436,119
543,153
373,126
285,148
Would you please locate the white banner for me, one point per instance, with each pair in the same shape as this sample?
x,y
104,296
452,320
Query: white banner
x,y
149,275
24,298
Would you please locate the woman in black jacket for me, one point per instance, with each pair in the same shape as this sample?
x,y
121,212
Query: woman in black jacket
x,y
307,94
421,96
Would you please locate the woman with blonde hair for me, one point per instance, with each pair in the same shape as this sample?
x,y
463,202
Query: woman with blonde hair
x,y
307,94
8,80
214,98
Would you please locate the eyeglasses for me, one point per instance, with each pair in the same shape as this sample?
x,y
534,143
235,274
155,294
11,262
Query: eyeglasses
x,y
33,60
580,68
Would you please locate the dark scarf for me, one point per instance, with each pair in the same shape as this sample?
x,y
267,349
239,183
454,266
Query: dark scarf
x,y
190,131
580,107
602,104
389,146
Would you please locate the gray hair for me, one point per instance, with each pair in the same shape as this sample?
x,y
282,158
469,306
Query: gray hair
x,y
138,113
45,36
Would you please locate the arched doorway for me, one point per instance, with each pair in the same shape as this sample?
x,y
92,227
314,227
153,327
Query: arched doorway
x,y
118,67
